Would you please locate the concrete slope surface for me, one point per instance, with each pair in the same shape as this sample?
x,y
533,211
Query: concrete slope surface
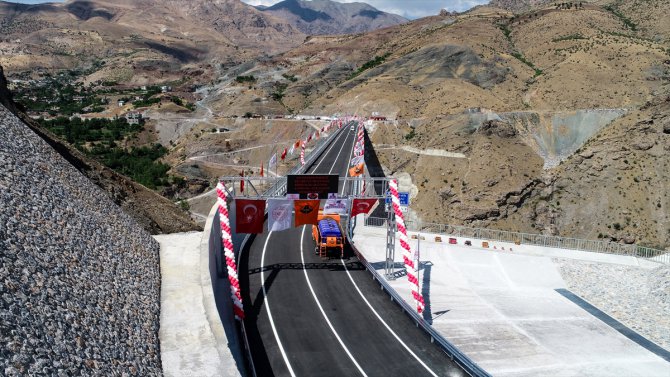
x,y
506,311
310,316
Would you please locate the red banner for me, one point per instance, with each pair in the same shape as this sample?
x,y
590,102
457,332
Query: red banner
x,y
362,206
249,215
283,154
306,212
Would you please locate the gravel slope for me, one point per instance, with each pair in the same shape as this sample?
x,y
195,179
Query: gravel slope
x,y
638,297
79,279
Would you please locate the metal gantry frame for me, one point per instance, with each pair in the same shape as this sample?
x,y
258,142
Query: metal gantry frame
x,y
354,187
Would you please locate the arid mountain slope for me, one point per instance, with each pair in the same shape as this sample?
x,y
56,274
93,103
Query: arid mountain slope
x,y
485,105
318,17
139,40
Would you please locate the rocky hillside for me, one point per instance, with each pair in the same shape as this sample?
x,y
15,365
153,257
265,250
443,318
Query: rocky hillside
x,y
318,17
487,107
519,5
139,41
80,279
615,187
153,212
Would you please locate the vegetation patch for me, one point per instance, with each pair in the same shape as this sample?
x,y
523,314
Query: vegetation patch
x,y
99,137
140,164
243,79
522,59
626,21
378,60
569,37
290,78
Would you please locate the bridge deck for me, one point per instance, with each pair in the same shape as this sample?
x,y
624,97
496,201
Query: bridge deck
x,y
309,316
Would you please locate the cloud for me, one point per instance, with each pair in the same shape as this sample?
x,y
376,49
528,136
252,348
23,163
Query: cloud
x,y
408,9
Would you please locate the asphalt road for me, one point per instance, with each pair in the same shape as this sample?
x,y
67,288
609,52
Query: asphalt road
x,y
311,316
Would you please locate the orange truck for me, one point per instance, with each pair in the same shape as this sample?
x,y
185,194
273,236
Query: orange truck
x,y
328,234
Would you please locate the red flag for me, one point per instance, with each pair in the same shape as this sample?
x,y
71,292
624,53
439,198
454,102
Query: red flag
x,y
261,168
283,154
297,144
249,215
310,138
242,182
317,134
306,212
362,206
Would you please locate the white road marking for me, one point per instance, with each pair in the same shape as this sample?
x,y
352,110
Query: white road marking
x,y
267,307
346,172
318,303
338,154
328,150
384,323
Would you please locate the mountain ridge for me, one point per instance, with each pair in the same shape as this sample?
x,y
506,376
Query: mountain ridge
x,y
324,17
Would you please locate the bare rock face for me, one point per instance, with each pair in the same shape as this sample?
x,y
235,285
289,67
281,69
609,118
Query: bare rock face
x,y
517,5
498,128
665,125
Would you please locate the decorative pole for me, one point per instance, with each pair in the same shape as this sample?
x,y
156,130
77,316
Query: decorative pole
x,y
302,152
407,254
224,222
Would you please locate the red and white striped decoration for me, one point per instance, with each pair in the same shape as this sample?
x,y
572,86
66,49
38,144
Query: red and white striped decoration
x,y
224,221
407,254
302,152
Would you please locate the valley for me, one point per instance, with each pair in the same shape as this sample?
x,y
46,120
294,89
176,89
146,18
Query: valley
x,y
533,118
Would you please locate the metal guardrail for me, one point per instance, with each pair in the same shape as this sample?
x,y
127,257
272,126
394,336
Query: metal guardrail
x,y
661,256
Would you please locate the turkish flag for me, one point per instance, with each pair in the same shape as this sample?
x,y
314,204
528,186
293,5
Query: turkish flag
x,y
357,170
261,168
362,206
242,181
306,212
249,215
283,154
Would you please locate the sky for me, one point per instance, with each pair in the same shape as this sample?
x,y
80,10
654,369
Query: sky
x,y
407,8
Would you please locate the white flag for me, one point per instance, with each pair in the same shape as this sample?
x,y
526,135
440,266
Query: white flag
x,y
273,160
336,206
290,151
280,214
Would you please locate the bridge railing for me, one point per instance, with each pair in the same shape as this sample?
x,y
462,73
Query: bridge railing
x,y
597,246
